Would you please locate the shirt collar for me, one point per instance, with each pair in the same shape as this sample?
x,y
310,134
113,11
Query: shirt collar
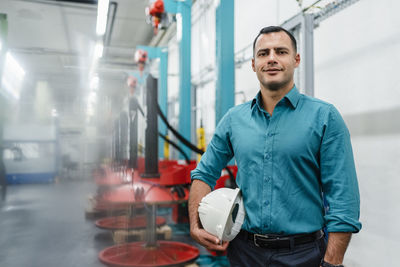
x,y
293,97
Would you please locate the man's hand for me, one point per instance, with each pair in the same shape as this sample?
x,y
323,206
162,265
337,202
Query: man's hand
x,y
197,191
207,240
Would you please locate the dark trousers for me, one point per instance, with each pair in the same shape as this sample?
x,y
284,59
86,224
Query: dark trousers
x,y
244,253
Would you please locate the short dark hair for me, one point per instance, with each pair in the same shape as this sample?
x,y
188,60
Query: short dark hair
x,y
270,29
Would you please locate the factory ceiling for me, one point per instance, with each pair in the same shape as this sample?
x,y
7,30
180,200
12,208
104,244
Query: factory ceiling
x,y
55,43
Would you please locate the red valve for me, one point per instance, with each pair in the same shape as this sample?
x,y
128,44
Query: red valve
x,y
156,11
140,59
157,8
131,82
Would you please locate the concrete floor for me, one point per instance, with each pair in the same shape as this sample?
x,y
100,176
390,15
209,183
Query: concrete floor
x,y
44,225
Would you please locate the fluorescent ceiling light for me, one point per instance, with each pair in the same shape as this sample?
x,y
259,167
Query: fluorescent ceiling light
x,y
98,50
102,12
90,111
94,82
13,66
13,76
12,90
92,98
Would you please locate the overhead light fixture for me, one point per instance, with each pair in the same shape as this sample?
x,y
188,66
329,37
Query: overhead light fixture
x,y
13,66
92,98
94,82
98,50
13,76
90,111
102,12
54,112
91,101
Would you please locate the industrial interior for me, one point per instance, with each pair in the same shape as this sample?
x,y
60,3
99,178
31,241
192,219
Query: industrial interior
x,y
107,106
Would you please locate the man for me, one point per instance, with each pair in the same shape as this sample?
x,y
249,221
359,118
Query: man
x,y
290,149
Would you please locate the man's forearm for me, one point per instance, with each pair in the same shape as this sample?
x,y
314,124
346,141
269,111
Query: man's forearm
x,y
337,245
197,191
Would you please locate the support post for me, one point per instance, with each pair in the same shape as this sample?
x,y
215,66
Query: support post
x,y
162,54
302,25
184,10
3,101
225,57
151,159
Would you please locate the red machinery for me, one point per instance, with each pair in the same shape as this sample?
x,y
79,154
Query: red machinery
x,y
141,59
152,183
131,82
156,12
151,252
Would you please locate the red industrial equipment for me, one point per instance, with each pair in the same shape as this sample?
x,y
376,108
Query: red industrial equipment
x,y
225,177
126,223
152,252
131,81
141,59
167,253
156,11
105,177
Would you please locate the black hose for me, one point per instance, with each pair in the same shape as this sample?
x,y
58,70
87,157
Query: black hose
x,y
178,135
189,145
176,146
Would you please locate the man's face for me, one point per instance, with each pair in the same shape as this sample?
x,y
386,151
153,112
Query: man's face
x,y
275,60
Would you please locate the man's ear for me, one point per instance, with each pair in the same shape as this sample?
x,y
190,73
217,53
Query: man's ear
x,y
253,65
297,59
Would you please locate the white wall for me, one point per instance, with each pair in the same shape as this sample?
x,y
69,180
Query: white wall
x,y
356,56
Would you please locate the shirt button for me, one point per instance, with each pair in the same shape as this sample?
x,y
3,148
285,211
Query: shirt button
x,y
270,134
266,202
269,178
268,156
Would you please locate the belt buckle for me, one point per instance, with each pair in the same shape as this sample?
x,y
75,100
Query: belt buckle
x,y
255,238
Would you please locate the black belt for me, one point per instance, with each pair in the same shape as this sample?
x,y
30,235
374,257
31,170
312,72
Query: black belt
x,y
280,241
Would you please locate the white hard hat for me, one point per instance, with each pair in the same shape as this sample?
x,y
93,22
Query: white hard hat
x,y
222,213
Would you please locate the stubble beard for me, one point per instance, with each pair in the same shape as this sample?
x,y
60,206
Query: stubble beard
x,y
275,86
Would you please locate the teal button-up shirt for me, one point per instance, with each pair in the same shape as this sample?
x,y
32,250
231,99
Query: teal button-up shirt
x,y
285,162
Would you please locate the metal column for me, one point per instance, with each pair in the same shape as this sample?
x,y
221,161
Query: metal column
x,y
3,45
183,11
3,101
184,8
225,57
163,97
302,26
151,145
162,53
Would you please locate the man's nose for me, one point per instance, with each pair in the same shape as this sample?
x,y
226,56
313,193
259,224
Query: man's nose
x,y
271,57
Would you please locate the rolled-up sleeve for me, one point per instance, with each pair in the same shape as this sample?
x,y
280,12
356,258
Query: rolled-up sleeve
x,y
218,153
338,176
